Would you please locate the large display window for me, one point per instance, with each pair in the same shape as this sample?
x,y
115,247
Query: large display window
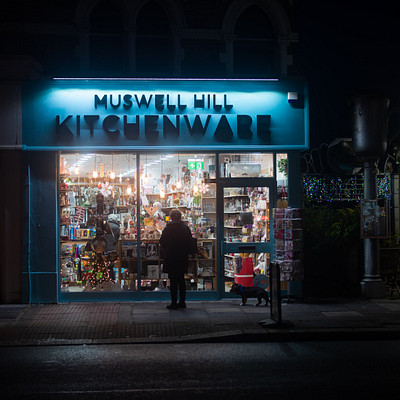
x,y
114,207
126,198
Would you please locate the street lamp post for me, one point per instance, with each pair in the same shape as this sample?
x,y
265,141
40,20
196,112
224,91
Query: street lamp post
x,y
370,138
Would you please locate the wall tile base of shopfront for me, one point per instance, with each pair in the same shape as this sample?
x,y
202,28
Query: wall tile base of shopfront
x,y
134,296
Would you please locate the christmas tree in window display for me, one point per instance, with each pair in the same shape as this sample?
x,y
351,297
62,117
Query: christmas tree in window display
x,y
99,277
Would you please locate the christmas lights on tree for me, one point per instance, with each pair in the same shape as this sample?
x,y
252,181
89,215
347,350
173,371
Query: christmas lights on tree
x,y
100,272
99,277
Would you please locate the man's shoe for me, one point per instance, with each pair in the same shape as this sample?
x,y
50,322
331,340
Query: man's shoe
x,y
172,306
181,305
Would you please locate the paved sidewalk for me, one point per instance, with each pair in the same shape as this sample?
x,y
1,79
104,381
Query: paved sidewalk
x,y
224,320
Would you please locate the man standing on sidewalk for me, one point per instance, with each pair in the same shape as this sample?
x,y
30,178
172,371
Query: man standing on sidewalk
x,y
176,244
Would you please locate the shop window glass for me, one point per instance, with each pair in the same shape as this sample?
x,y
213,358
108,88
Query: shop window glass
x,y
246,220
98,192
246,214
170,181
97,200
246,165
282,180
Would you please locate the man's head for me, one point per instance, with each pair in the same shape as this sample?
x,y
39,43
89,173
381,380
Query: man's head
x,y
175,215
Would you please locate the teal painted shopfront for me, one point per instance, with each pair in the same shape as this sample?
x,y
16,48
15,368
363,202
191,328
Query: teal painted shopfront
x,y
224,152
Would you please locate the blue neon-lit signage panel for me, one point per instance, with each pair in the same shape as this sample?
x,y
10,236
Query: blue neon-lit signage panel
x,y
181,114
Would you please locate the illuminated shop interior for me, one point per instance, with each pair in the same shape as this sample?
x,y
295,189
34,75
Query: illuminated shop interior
x,y
139,191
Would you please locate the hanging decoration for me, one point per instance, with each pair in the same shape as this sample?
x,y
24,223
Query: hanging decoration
x,y
95,174
112,173
106,189
203,188
319,188
76,166
178,184
145,178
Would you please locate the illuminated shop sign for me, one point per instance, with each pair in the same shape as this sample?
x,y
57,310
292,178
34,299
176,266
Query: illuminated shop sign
x,y
180,114
144,120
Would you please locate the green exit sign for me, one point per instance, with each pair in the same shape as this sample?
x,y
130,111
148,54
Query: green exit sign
x,y
195,164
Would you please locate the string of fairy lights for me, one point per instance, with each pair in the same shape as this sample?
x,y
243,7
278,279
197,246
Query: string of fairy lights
x,y
318,188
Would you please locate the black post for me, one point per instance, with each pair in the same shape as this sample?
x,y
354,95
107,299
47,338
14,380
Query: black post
x,y
276,300
370,137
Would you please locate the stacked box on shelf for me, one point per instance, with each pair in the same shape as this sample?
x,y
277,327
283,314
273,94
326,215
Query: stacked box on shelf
x,y
288,235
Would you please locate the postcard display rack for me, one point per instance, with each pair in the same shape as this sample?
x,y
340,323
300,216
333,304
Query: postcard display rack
x,y
288,235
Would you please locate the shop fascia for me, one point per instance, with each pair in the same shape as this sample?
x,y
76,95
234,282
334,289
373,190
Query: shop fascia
x,y
137,115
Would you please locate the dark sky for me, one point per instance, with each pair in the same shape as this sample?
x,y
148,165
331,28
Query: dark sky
x,y
347,47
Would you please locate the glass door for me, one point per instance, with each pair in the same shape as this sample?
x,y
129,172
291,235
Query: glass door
x,y
247,237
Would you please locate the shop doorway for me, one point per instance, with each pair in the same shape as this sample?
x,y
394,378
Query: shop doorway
x,y
246,231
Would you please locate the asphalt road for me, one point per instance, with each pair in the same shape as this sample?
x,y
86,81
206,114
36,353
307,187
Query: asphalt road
x,y
291,370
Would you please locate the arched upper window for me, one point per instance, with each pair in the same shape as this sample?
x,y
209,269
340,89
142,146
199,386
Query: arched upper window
x,y
254,49
153,41
107,41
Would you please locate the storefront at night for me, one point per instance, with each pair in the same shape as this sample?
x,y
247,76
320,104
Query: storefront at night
x,y
224,152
